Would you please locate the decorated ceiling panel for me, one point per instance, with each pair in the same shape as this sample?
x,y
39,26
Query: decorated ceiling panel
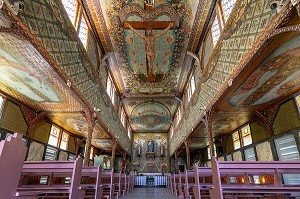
x,y
149,44
77,124
27,76
150,116
271,80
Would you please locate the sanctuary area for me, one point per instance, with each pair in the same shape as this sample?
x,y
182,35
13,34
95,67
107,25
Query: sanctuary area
x,y
149,99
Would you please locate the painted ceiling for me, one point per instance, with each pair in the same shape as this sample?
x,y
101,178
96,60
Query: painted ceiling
x,y
33,81
146,70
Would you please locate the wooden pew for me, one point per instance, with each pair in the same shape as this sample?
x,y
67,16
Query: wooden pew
x,y
117,183
107,181
248,169
12,155
180,184
93,186
175,184
202,178
123,183
33,170
132,181
171,183
189,183
168,181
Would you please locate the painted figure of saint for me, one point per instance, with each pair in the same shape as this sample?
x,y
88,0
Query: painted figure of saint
x,y
139,147
150,145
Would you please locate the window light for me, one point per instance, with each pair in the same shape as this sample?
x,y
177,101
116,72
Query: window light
x,y
228,6
236,140
246,135
64,140
70,7
83,31
54,136
215,29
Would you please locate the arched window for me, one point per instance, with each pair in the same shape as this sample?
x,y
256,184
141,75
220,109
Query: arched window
x,y
123,117
216,30
129,131
83,31
227,7
70,7
110,89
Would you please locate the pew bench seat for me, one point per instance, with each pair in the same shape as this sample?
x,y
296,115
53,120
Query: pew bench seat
x,y
27,194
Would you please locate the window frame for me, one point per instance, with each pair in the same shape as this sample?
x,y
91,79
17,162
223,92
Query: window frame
x,y
2,105
61,138
222,7
58,137
111,91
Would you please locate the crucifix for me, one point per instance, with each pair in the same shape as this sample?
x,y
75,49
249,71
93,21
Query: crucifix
x,y
149,38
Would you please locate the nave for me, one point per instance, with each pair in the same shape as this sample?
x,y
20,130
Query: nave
x,y
105,97
150,193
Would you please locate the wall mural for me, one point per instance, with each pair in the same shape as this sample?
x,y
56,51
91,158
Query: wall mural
x,y
35,152
150,153
76,123
150,116
52,32
103,160
270,80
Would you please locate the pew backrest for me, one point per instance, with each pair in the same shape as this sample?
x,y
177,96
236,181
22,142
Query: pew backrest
x,y
54,169
12,155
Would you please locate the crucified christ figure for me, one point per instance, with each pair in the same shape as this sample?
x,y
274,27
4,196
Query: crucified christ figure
x,y
150,42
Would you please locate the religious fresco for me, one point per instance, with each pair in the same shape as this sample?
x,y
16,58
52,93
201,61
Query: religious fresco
x,y
150,116
30,78
144,61
270,80
47,25
150,152
76,123
103,160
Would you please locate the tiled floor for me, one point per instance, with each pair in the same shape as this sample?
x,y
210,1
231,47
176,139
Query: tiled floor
x,y
150,193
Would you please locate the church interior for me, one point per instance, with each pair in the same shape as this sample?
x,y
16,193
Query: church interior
x,y
169,94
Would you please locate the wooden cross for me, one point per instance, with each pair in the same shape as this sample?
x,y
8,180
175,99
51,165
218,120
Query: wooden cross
x,y
148,26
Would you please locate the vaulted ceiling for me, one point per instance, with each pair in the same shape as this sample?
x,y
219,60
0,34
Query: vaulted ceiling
x,y
148,85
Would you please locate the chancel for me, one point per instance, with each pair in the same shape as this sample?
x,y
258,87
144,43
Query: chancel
x,y
149,99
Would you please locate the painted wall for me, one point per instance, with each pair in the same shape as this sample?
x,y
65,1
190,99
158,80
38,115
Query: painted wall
x,y
12,118
146,157
258,131
283,123
41,133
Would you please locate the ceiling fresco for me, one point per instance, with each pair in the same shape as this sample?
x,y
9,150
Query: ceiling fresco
x,y
151,117
77,124
25,75
149,60
270,80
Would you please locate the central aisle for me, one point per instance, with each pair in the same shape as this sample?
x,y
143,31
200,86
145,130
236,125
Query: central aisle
x,y
149,193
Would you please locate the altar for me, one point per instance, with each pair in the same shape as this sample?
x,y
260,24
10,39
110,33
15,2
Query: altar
x,y
150,180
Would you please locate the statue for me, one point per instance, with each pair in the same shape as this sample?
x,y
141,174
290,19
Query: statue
x,y
139,148
162,148
164,168
150,42
150,145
